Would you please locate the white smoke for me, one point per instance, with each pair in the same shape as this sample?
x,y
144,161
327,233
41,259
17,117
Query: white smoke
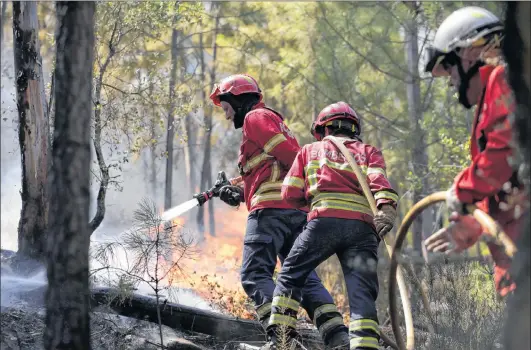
x,y
120,205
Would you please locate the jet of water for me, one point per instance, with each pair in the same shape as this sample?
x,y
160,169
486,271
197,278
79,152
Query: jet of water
x,y
179,210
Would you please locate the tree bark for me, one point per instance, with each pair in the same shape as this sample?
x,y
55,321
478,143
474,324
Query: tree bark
x,y
419,157
206,172
68,294
33,130
517,51
170,132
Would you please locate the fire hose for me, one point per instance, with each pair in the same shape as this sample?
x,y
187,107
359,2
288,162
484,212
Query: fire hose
x,y
221,181
493,229
388,244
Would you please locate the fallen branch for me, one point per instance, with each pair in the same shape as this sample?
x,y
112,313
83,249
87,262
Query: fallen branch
x,y
179,316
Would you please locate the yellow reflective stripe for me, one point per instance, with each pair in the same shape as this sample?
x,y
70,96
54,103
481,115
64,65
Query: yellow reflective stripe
x,y
366,342
323,309
380,171
341,205
285,302
275,171
386,195
253,162
346,197
263,310
277,319
364,324
269,186
273,196
333,322
274,142
293,181
269,190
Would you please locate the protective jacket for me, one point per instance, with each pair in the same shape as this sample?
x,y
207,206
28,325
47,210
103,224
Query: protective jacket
x,y
482,182
266,153
322,177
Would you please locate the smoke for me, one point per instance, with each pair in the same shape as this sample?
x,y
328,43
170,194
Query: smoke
x,y
121,201
10,156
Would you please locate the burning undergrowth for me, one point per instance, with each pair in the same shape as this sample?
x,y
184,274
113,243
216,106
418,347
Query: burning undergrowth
x,y
168,258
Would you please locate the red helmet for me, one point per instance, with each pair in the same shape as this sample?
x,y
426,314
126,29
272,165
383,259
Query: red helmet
x,y
236,84
338,114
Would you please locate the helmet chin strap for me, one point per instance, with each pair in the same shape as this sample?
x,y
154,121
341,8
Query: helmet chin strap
x,y
465,81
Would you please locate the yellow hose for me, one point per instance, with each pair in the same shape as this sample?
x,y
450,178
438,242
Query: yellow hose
x,y
484,219
387,239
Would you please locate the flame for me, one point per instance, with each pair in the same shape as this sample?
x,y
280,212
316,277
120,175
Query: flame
x,y
214,271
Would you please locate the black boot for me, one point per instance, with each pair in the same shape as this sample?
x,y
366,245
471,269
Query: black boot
x,y
338,341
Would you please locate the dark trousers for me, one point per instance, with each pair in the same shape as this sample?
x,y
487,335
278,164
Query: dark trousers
x,y
356,245
270,234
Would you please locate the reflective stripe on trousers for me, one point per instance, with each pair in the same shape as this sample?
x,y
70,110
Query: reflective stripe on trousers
x,y
356,245
270,233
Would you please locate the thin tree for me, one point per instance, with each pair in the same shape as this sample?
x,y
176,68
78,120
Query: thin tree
x,y
206,172
67,297
170,131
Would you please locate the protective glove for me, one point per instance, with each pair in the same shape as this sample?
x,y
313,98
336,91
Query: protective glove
x,y
460,235
453,204
232,195
384,220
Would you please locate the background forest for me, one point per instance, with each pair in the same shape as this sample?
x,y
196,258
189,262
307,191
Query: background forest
x,y
155,133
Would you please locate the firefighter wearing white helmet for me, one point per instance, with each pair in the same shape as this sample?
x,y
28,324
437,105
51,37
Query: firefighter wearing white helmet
x,y
461,47
461,41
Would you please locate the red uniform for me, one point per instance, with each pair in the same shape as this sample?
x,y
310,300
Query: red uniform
x,y
490,150
266,153
321,176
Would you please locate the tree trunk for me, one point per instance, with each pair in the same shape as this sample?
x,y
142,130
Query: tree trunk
x,y
206,172
33,130
517,50
190,132
170,134
4,8
419,157
67,297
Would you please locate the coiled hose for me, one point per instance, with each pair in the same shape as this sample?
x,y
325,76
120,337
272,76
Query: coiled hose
x,y
483,218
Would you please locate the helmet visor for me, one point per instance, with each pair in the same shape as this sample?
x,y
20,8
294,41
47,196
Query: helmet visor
x,y
214,95
439,63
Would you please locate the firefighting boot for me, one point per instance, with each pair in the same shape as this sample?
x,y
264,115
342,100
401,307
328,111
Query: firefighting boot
x,y
338,341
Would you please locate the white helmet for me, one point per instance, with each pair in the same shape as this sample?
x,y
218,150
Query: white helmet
x,y
470,26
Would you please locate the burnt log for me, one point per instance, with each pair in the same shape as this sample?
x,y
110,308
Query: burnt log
x,y
179,316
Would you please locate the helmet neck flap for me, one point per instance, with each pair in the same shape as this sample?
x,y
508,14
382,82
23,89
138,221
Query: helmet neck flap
x,y
241,104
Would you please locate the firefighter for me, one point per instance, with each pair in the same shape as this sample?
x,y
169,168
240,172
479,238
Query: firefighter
x,y
463,49
340,221
267,151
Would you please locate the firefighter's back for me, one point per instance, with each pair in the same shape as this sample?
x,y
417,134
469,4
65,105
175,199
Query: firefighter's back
x,y
333,189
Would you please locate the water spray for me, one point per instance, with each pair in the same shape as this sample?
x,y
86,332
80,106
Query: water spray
x,y
203,197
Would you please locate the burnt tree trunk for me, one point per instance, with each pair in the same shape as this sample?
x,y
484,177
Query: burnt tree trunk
x,y
170,132
419,157
68,294
206,171
33,130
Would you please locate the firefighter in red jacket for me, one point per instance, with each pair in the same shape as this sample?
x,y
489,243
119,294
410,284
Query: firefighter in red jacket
x,y
462,45
267,151
340,221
